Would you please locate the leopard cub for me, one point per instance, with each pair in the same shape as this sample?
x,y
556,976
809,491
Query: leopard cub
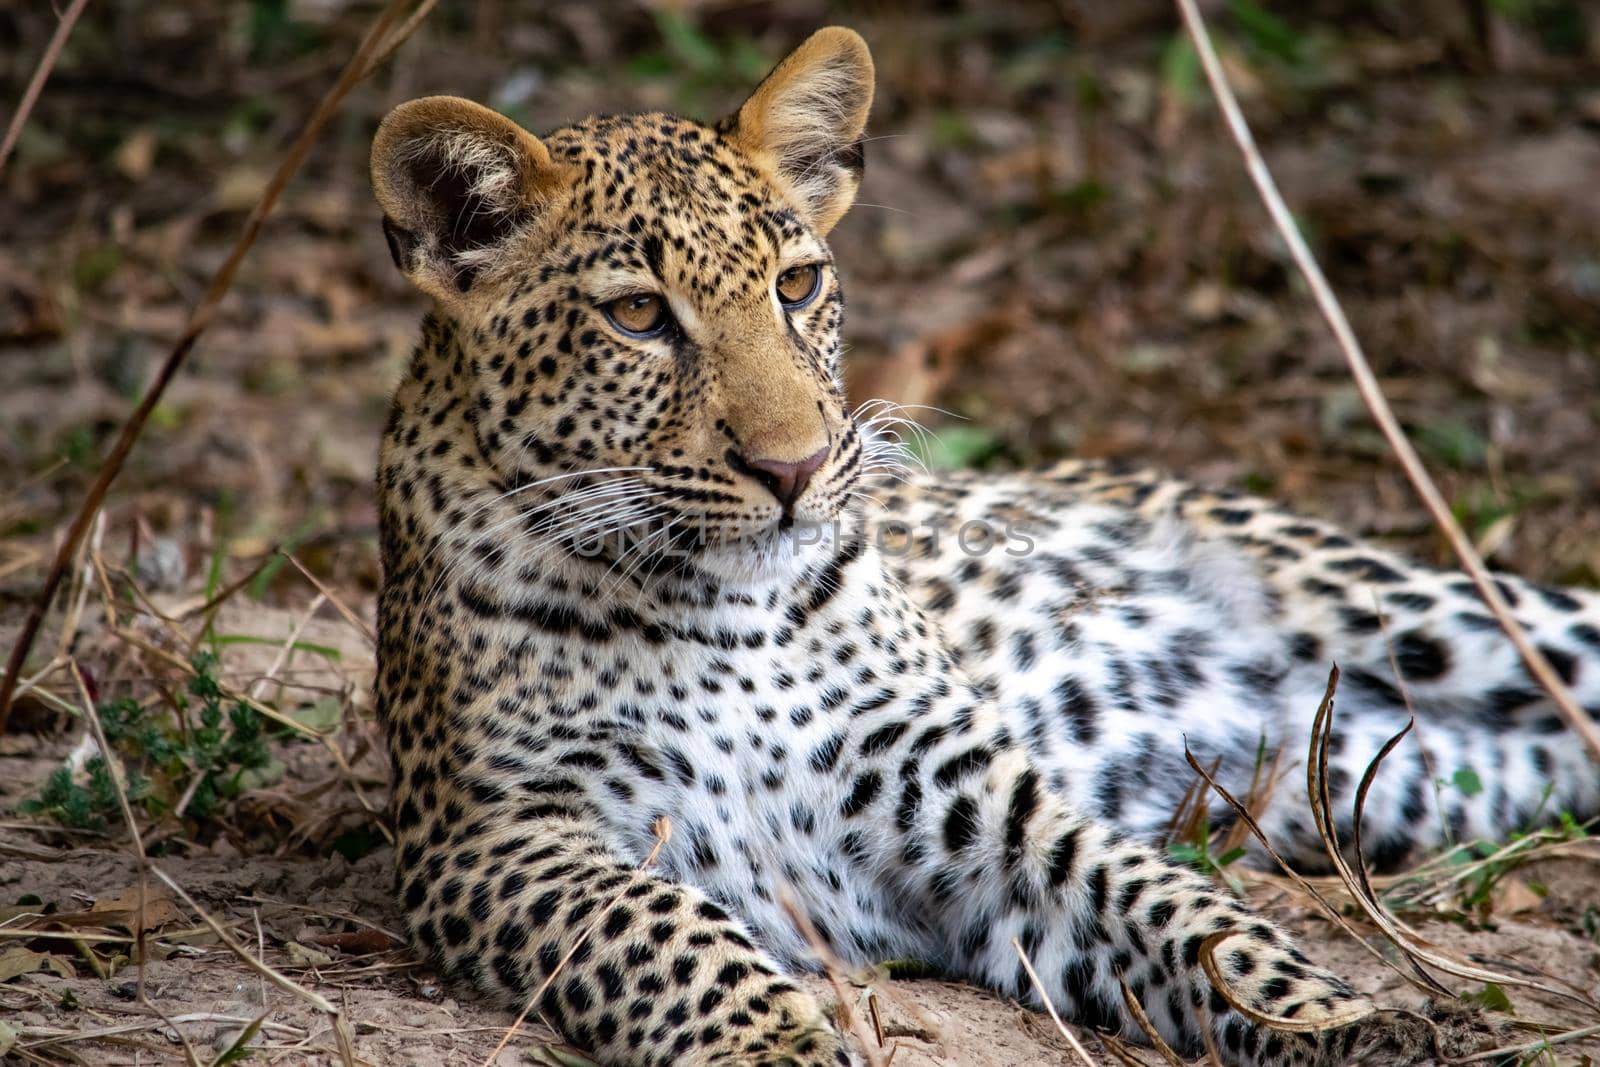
x,y
642,560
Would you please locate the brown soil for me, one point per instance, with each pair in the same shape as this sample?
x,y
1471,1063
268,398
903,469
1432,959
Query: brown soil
x,y
401,1014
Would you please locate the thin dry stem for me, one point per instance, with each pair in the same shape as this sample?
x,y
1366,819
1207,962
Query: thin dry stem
x,y
832,967
78,591
1213,1057
1420,953
339,605
47,62
360,65
1120,1052
1208,963
1367,778
1055,1016
1136,1009
1372,394
114,769
288,985
1502,1054
46,1037
400,36
209,607
281,660
1300,881
1437,879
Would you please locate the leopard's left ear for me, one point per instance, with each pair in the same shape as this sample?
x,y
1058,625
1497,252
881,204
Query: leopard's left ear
x,y
804,123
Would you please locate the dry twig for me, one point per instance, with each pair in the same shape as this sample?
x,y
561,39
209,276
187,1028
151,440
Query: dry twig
x,y
832,968
1160,1045
47,62
339,605
1123,1054
400,36
1372,394
115,771
1500,1055
377,44
341,1028
1330,912
1417,950
1055,1017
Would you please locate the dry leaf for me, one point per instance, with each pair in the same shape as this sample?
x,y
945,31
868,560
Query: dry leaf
x,y
17,960
123,910
358,942
301,956
28,310
1512,896
135,156
240,187
918,371
11,912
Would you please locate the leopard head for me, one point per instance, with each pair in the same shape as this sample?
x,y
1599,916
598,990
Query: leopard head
x,y
637,318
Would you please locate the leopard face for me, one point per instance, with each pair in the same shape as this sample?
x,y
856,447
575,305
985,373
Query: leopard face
x,y
644,315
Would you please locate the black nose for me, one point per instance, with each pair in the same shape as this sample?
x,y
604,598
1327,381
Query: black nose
x,y
787,480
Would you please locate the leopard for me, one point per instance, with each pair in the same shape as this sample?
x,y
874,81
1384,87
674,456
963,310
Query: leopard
x,y
693,684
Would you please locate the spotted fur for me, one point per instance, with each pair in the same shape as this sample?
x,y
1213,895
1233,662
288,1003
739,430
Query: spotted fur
x,y
632,577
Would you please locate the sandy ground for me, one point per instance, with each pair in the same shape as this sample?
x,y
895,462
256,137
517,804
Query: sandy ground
x,y
289,910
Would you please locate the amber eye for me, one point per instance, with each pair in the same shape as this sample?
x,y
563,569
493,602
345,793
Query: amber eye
x,y
639,315
798,286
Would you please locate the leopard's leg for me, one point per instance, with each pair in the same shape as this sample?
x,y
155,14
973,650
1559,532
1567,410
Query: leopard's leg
x,y
998,856
647,972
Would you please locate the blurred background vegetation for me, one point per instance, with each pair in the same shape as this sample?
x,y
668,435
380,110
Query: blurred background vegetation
x,y
1055,242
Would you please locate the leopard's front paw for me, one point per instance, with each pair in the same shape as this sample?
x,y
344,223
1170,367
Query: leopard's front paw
x,y
784,1029
817,1048
808,1036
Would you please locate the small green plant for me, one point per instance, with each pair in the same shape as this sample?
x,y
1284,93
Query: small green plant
x,y
1198,853
1493,997
1192,842
1180,70
200,751
1559,25
271,31
1466,779
1455,442
1487,863
957,448
1588,924
1266,32
89,806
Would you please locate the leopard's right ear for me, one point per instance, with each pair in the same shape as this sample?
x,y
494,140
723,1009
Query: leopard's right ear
x,y
457,182
805,122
